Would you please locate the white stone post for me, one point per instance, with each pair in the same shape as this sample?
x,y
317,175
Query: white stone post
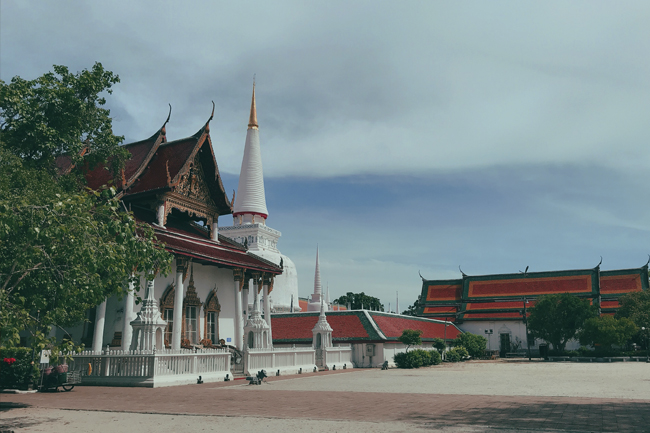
x,y
127,331
181,265
100,318
239,322
267,310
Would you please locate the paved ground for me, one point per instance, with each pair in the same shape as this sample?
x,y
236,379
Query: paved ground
x,y
470,397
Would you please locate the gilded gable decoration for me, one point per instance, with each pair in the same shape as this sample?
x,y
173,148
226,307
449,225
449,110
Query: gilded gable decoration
x,y
193,184
167,299
191,297
212,302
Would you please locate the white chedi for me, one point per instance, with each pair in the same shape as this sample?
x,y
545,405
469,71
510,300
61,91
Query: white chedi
x,y
249,220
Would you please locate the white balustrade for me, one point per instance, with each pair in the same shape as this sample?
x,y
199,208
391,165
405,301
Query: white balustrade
x,y
141,365
280,358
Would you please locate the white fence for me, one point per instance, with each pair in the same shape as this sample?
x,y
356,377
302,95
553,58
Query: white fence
x,y
285,360
338,357
147,368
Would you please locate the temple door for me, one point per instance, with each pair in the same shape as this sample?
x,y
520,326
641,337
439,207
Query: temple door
x,y
505,345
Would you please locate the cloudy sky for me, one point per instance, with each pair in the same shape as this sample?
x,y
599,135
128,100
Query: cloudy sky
x,y
399,136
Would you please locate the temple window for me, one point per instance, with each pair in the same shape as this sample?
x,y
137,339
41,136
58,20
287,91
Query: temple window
x,y
191,324
191,308
168,316
167,310
212,309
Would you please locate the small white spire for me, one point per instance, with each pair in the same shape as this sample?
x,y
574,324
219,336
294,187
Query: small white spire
x,y
317,284
397,307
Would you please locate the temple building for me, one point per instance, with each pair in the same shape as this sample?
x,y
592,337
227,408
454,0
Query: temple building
x,y
494,305
176,188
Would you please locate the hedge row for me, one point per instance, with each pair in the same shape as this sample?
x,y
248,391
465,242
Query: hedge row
x,y
417,358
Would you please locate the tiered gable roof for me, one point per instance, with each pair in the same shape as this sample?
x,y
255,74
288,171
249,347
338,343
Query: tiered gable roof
x,y
500,297
356,326
182,176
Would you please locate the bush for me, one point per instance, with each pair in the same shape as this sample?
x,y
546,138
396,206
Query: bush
x,y
16,368
436,358
585,351
457,354
475,344
417,358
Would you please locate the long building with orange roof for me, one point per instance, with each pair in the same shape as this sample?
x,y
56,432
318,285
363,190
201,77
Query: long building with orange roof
x,y
494,305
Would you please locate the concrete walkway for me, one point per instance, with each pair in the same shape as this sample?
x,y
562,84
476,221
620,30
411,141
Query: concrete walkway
x,y
359,400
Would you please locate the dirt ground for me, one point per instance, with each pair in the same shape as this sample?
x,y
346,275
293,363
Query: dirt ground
x,y
467,397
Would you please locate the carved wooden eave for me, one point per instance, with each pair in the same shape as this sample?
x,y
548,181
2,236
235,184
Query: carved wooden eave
x,y
191,194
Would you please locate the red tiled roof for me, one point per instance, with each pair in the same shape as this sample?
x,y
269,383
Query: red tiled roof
x,y
140,152
219,253
172,155
493,316
299,326
356,325
392,326
609,304
507,305
445,292
611,284
530,286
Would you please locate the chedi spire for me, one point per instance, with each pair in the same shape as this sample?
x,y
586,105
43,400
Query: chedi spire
x,y
250,204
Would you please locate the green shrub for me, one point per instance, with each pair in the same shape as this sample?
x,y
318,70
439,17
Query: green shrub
x,y
585,351
16,368
474,344
417,358
457,354
436,358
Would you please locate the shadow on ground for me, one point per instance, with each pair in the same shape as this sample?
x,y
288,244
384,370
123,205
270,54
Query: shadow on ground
x,y
8,405
545,416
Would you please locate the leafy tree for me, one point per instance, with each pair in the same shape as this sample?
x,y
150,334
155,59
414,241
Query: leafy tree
x,y
357,300
411,337
604,331
556,319
413,310
474,344
636,307
63,248
60,113
439,344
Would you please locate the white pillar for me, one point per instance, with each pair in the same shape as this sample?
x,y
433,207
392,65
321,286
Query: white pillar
x,y
127,331
160,214
244,299
214,234
100,318
239,322
178,305
267,311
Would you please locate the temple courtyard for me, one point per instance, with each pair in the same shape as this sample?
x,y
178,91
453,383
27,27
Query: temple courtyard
x,y
474,396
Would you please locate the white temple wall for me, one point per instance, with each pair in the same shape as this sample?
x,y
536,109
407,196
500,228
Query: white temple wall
x,y
516,330
206,278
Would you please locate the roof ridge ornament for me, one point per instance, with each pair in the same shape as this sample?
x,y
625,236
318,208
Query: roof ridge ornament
x,y
648,262
599,263
461,271
252,120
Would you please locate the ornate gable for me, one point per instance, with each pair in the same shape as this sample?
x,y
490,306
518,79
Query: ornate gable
x,y
192,194
193,185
